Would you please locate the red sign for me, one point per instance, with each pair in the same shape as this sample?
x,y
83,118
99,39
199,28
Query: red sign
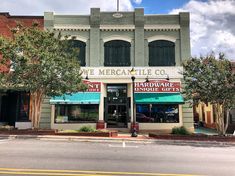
x,y
157,86
93,86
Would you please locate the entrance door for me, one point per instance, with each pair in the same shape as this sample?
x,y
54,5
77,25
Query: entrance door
x,y
14,106
116,111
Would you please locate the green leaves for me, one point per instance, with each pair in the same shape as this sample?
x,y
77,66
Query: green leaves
x,y
210,79
40,61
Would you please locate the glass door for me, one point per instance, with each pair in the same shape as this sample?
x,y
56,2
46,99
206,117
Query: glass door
x,y
116,106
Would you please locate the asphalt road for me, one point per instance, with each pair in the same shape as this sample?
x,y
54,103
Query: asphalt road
x,y
73,158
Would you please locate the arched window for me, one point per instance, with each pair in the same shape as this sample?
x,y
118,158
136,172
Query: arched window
x,y
117,53
161,53
76,44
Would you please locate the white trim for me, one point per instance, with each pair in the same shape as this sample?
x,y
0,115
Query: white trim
x,y
161,37
162,26
70,26
117,37
77,37
117,27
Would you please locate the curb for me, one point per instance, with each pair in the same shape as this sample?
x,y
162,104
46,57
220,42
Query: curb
x,y
119,139
77,138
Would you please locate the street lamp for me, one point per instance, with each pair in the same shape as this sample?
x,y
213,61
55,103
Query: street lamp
x,y
167,78
133,126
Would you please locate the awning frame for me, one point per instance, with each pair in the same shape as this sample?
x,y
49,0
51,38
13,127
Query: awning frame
x,y
77,98
159,98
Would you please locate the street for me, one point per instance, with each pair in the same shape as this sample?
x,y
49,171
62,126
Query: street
x,y
75,158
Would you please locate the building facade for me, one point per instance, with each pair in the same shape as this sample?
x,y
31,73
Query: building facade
x,y
14,105
131,63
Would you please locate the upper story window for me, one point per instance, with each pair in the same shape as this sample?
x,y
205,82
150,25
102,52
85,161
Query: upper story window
x,y
117,53
77,44
161,53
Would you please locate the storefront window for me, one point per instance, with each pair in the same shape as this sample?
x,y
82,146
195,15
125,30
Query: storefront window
x,y
23,107
76,113
156,113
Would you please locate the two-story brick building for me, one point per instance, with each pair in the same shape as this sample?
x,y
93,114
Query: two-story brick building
x,y
112,46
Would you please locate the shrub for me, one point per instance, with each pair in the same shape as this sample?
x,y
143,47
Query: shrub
x,y
180,130
87,129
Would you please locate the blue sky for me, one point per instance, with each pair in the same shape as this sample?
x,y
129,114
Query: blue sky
x,y
212,24
160,6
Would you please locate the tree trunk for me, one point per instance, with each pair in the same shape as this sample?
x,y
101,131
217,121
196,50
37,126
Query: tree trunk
x,y
221,120
227,119
36,99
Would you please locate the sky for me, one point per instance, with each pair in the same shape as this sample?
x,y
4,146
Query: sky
x,y
212,22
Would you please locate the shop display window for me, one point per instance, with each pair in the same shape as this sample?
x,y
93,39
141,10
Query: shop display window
x,y
23,106
157,113
76,113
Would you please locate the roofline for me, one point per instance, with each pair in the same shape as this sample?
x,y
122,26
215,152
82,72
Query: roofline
x,y
7,14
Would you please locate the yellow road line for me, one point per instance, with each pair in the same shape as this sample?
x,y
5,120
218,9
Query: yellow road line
x,y
42,173
77,172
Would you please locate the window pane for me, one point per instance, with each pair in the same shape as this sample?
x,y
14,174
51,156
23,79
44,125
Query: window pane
x,y
81,46
156,113
76,113
23,106
117,53
161,53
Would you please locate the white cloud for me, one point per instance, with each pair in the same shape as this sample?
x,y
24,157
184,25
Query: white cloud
x,y
137,1
37,7
212,26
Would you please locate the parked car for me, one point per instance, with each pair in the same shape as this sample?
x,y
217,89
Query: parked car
x,y
143,118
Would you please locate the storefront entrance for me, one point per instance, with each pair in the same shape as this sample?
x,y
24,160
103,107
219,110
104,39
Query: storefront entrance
x,y
116,106
14,106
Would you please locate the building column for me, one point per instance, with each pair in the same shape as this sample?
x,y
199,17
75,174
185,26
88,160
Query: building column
x,y
139,38
185,36
101,123
95,37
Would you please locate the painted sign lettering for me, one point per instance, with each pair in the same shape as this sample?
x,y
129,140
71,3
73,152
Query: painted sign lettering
x,y
157,86
93,86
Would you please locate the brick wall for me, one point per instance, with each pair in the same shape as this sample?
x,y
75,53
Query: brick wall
x,y
7,22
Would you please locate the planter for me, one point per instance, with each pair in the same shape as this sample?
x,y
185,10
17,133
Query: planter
x,y
27,132
56,132
193,137
95,134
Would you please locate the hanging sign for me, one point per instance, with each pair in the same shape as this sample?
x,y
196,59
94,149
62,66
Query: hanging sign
x,y
93,86
157,86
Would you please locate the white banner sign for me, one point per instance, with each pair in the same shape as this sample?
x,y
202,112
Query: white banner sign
x,y
124,72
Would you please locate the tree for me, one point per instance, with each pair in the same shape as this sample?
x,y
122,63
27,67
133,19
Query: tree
x,y
42,64
210,79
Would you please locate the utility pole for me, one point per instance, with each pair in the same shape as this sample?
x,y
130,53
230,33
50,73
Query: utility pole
x,y
117,5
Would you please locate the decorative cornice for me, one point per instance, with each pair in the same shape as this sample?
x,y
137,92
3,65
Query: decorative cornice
x,y
117,27
72,27
162,27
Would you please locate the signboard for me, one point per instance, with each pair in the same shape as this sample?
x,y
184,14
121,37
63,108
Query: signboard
x,y
157,86
93,86
124,72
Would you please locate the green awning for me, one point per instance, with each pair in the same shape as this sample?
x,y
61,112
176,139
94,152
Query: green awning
x,y
77,98
158,98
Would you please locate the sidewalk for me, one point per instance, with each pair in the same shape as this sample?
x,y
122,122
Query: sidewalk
x,y
142,138
201,134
